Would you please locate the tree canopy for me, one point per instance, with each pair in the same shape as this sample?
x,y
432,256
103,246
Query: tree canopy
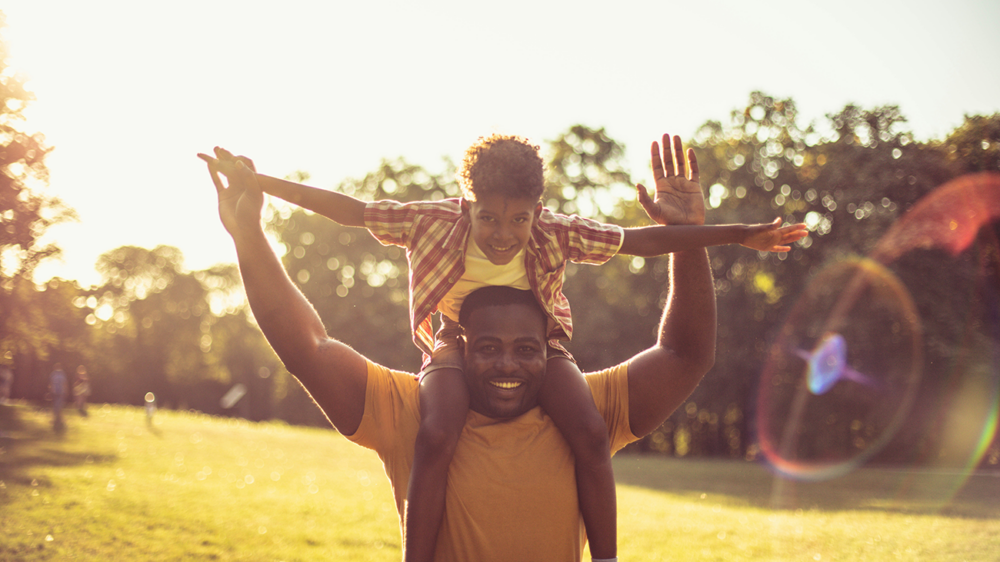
x,y
189,337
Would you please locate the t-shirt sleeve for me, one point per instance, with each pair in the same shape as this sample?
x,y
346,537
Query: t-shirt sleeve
x,y
585,240
390,222
610,389
390,398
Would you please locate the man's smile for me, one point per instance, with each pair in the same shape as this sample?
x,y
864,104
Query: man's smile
x,y
506,385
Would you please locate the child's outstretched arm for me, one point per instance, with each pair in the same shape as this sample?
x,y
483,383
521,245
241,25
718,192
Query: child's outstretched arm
x,y
340,208
679,201
658,240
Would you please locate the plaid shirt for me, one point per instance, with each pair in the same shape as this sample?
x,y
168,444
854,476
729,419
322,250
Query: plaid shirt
x,y
435,234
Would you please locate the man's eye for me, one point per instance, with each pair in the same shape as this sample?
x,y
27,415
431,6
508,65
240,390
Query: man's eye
x,y
486,219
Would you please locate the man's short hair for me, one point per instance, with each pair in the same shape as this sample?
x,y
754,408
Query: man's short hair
x,y
497,295
504,165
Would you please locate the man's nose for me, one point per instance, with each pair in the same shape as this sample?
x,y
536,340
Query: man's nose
x,y
506,363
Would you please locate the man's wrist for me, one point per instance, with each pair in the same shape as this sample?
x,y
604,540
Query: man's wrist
x,y
249,235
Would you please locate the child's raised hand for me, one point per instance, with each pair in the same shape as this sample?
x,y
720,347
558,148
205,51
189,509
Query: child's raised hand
x,y
773,237
225,161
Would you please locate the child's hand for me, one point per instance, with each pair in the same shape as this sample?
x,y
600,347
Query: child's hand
x,y
773,237
225,161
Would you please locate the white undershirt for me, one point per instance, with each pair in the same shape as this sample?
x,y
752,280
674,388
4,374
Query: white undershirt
x,y
481,272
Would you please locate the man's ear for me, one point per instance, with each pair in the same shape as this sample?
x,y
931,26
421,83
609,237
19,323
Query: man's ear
x,y
466,206
538,210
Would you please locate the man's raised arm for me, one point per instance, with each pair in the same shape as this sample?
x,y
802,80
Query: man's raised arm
x,y
333,373
663,376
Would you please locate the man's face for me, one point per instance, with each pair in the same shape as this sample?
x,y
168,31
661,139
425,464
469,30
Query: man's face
x,y
501,226
505,359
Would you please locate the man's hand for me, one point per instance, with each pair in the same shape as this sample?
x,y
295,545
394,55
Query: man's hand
x,y
241,202
679,197
773,237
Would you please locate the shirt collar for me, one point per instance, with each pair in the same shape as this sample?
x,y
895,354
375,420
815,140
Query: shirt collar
x,y
459,233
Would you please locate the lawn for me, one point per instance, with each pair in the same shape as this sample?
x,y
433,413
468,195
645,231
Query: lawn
x,y
193,487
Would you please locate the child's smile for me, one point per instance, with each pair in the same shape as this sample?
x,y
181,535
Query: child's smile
x,y
501,227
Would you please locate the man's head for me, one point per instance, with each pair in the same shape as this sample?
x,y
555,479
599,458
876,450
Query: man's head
x,y
502,181
505,350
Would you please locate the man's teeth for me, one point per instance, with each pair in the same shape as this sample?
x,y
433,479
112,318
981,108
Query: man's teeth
x,y
503,249
507,385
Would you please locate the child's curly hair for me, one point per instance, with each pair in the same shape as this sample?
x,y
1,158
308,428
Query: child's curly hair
x,y
507,165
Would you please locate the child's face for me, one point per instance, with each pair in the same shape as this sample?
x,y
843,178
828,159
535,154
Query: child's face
x,y
501,226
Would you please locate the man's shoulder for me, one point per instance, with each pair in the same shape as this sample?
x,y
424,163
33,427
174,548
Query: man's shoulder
x,y
610,390
384,380
391,404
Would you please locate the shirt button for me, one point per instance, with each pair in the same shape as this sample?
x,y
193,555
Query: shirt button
x,y
451,279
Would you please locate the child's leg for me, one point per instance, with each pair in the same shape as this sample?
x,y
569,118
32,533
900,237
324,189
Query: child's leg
x,y
566,398
444,404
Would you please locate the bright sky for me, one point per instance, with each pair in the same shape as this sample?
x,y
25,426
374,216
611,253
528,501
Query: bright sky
x,y
127,92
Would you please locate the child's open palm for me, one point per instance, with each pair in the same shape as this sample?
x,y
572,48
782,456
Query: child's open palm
x,y
773,237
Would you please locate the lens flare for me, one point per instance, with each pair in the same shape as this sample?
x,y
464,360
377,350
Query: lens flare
x,y
844,372
827,364
810,427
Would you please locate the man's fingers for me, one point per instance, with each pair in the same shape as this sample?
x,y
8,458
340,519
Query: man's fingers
x,y
668,157
248,162
643,195
224,154
214,173
695,177
679,157
646,202
657,163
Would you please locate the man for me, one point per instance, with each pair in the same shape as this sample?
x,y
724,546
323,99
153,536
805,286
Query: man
x,y
511,489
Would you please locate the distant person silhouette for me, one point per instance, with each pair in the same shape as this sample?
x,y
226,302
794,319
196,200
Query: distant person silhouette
x,y
57,385
6,380
81,390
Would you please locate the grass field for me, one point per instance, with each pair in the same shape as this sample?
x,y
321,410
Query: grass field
x,y
192,487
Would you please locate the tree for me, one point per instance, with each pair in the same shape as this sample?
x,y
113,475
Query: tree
x,y
358,286
158,319
849,178
26,212
975,145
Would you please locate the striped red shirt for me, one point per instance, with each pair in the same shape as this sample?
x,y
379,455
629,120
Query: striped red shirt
x,y
435,233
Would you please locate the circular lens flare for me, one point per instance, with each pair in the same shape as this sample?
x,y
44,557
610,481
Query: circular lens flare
x,y
823,412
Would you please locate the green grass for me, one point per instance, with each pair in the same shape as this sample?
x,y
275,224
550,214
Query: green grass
x,y
192,487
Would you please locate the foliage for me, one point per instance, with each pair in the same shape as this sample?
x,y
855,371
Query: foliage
x,y
188,336
26,212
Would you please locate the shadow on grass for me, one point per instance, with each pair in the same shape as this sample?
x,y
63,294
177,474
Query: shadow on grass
x,y
738,483
27,440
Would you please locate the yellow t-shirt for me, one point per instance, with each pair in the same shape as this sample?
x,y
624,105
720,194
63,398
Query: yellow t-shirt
x,y
481,272
511,485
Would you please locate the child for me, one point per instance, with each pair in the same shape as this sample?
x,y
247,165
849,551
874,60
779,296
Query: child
x,y
498,233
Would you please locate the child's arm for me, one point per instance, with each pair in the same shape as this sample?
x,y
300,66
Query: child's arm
x,y
679,210
658,240
340,208
337,207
